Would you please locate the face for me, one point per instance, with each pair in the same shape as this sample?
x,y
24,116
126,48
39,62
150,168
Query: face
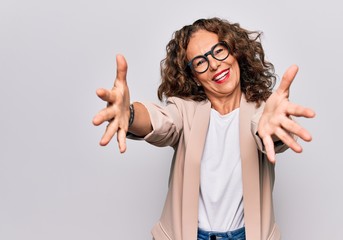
x,y
222,78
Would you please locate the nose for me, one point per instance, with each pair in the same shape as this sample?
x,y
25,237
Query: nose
x,y
214,63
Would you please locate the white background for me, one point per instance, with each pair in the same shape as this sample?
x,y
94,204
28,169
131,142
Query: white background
x,y
56,182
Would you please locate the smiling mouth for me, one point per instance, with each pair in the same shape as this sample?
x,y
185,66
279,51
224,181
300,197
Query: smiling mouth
x,y
222,76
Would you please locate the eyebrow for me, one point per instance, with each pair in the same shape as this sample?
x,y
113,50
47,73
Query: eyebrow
x,y
206,53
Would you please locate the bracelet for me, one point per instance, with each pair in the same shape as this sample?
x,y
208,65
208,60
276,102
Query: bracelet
x,y
132,114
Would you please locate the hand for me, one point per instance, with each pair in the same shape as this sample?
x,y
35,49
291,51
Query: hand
x,y
117,111
276,122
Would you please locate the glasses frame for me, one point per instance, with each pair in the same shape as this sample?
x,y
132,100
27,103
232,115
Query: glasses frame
x,y
190,65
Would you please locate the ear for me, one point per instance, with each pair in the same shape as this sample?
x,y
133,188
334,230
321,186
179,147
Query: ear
x,y
197,82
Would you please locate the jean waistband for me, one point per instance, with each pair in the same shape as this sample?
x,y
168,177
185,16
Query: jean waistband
x,y
238,234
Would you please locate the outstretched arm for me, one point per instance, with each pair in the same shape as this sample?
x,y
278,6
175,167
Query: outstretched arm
x,y
276,122
117,112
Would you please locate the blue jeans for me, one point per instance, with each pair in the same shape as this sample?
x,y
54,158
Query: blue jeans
x,y
238,234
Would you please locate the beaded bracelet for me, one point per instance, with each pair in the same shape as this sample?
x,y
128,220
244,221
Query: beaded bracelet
x,y
132,115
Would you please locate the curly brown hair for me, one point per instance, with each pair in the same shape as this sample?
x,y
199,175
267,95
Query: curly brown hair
x,y
257,76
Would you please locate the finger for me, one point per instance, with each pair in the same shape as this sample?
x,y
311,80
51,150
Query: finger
x,y
299,111
293,127
110,131
121,138
106,95
97,120
269,147
105,114
288,140
121,68
287,79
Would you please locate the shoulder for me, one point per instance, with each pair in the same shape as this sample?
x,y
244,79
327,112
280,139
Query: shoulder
x,y
250,107
188,109
186,103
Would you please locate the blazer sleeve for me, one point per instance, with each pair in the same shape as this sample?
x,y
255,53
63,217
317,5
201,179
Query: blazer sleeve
x,y
279,146
166,124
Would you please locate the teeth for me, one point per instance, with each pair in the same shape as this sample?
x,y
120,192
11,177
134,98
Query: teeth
x,y
222,75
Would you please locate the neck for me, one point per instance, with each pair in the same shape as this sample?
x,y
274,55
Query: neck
x,y
227,104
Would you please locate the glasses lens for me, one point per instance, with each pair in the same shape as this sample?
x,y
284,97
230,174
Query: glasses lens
x,y
200,64
220,51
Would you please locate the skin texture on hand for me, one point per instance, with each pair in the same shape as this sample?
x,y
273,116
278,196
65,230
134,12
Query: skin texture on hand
x,y
117,111
276,122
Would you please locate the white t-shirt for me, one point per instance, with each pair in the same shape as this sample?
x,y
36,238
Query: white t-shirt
x,y
221,191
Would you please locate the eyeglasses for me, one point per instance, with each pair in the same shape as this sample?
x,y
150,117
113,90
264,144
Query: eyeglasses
x,y
200,63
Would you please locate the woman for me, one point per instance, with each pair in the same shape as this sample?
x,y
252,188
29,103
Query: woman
x,y
225,125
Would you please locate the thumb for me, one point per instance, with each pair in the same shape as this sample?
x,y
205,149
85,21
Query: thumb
x,y
287,79
121,68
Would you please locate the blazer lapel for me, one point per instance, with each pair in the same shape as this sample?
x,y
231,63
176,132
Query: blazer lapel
x,y
250,172
191,183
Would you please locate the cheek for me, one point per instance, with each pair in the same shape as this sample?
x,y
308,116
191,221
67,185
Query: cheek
x,y
203,78
238,74
237,70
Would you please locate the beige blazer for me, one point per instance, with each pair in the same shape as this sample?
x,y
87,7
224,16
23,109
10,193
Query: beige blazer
x,y
183,125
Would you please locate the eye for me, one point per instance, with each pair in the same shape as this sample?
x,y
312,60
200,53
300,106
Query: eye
x,y
198,62
218,50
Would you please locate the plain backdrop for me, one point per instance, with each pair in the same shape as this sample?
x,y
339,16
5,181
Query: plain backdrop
x,y
56,182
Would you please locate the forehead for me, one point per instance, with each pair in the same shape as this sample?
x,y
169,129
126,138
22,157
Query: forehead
x,y
200,43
